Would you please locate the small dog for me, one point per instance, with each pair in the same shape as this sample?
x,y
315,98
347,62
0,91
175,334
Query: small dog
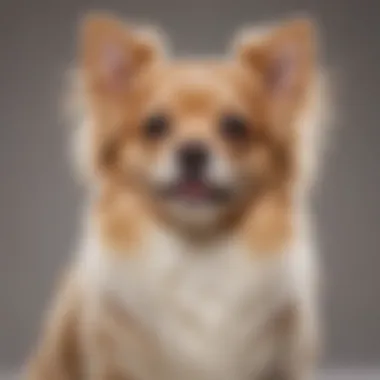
x,y
197,256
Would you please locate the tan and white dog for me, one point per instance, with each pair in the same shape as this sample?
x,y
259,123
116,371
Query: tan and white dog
x,y
197,258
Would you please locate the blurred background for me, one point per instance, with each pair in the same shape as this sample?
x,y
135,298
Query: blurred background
x,y
39,198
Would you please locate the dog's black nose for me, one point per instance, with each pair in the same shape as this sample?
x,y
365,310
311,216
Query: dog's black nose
x,y
193,158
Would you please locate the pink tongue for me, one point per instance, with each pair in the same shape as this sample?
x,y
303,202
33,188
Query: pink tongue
x,y
194,189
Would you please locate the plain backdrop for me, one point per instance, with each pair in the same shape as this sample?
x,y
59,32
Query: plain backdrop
x,y
39,201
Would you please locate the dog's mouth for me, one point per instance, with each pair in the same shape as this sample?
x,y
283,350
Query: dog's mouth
x,y
196,192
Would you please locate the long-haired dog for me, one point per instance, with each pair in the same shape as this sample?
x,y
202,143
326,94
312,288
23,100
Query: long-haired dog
x,y
197,258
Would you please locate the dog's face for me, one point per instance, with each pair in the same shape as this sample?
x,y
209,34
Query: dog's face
x,y
196,138
197,146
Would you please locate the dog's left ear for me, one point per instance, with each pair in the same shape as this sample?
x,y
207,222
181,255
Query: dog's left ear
x,y
284,57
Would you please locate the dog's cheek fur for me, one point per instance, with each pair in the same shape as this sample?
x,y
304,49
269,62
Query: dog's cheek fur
x,y
121,219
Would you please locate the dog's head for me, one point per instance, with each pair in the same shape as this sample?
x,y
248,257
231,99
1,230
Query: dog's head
x,y
196,140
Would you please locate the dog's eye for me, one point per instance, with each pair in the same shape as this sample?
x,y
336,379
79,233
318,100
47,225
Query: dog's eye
x,y
156,126
233,127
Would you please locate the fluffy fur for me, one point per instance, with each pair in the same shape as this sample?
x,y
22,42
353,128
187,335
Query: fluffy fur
x,y
168,289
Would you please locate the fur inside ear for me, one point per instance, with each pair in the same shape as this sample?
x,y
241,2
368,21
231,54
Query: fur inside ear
x,y
284,56
112,53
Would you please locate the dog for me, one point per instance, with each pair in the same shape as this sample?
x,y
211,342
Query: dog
x,y
197,258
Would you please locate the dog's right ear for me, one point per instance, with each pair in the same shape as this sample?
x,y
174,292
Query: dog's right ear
x,y
112,54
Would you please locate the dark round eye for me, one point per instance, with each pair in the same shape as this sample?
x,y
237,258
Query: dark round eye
x,y
234,127
156,126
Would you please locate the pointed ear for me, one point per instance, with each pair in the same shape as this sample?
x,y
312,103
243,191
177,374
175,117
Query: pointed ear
x,y
285,58
112,54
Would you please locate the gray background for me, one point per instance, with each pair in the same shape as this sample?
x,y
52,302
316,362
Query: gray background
x,y
39,199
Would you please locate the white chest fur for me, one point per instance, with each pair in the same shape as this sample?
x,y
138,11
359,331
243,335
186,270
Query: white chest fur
x,y
207,305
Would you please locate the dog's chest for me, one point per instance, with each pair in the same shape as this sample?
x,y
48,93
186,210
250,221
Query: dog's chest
x,y
207,306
